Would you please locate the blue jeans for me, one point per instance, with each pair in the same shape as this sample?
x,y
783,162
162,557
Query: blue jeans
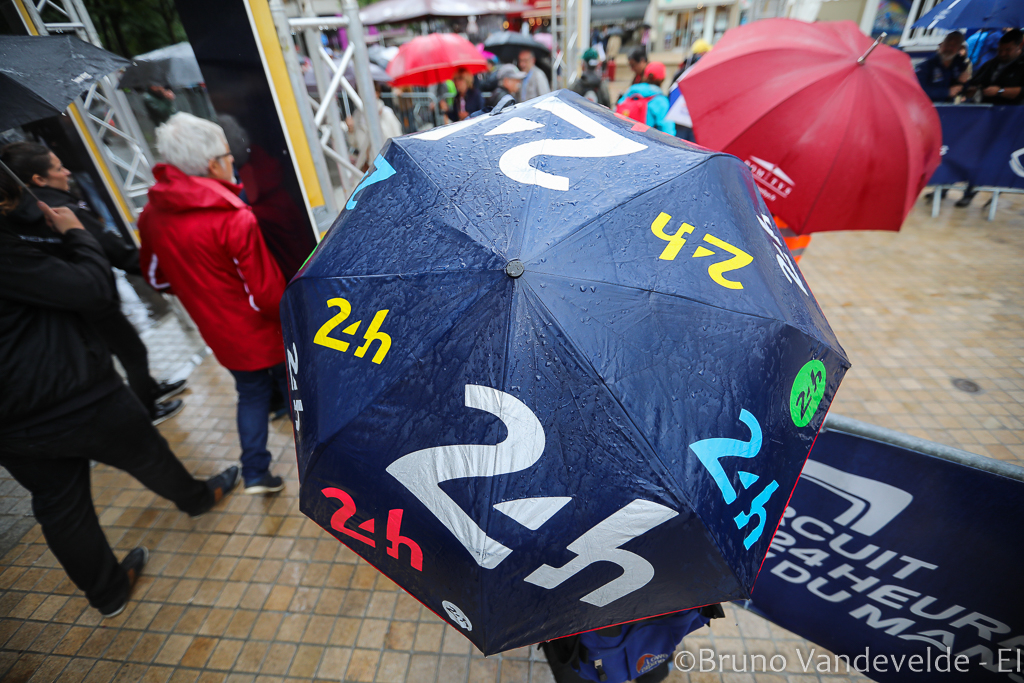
x,y
254,391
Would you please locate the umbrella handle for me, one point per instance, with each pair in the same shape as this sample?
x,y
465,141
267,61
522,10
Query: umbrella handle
x,y
18,180
864,56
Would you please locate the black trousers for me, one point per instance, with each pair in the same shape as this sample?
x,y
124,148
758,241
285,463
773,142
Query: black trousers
x,y
52,461
124,342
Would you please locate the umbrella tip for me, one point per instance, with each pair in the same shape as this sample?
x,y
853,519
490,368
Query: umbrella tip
x,y
878,40
514,268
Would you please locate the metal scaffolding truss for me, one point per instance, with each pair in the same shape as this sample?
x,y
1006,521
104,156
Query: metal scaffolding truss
x,y
570,24
105,110
322,116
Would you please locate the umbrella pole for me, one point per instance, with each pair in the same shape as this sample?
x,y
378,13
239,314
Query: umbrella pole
x,y
873,46
18,180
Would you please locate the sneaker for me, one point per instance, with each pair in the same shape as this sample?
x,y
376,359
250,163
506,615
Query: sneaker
x,y
268,483
166,410
166,390
220,486
132,564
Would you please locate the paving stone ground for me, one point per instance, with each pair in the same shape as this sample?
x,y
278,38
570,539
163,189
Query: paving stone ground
x,y
255,592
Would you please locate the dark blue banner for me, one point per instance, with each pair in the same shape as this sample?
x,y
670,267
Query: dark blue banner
x,y
907,564
981,144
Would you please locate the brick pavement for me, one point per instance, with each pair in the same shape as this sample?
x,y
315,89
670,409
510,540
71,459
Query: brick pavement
x,y
254,592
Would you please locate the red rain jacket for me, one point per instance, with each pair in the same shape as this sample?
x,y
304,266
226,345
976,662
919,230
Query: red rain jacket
x,y
202,243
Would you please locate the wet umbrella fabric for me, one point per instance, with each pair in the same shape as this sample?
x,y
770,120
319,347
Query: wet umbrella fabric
x,y
508,44
973,14
41,75
174,66
434,58
552,370
834,144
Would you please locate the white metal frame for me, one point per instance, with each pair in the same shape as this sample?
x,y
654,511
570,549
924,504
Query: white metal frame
x,y
104,107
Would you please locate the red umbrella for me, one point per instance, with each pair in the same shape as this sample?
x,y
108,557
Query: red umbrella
x,y
838,133
434,59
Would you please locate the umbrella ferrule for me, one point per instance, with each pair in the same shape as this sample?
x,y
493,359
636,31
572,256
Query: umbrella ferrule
x,y
878,40
514,268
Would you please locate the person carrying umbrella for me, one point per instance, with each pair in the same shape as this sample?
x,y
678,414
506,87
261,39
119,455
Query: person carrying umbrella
x,y
510,82
467,98
62,403
942,76
40,169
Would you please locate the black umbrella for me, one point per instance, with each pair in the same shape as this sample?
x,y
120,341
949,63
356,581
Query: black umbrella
x,y
508,44
174,66
41,75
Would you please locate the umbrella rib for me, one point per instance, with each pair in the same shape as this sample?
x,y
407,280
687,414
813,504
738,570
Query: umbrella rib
x,y
831,168
584,358
451,200
631,199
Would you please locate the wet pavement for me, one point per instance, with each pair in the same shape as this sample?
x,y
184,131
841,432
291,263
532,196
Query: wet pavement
x,y
255,592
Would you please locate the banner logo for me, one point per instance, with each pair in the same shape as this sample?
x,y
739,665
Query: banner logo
x,y
880,503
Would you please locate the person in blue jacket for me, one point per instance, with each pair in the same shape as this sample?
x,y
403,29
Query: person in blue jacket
x,y
648,93
943,75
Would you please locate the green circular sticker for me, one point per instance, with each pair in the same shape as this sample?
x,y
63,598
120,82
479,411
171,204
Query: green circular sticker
x,y
808,390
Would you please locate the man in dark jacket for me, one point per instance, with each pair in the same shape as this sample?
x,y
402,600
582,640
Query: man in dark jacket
x,y
42,171
62,405
510,82
590,84
1001,80
942,76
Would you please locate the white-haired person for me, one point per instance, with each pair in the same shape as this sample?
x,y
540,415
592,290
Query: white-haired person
x,y
201,242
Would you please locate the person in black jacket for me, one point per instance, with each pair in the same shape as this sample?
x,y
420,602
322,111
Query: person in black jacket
x,y
62,404
42,171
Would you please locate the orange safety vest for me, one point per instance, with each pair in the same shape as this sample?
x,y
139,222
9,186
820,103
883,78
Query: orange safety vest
x,y
796,243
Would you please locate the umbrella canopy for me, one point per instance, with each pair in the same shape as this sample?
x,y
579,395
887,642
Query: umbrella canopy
x,y
378,74
397,11
970,14
174,66
41,75
508,44
553,370
427,60
380,55
835,142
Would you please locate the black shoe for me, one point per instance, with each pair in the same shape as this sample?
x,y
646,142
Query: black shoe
x,y
931,195
166,410
965,200
220,486
166,390
132,564
268,483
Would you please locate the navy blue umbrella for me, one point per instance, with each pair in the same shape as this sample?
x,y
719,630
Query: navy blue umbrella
x,y
552,370
954,14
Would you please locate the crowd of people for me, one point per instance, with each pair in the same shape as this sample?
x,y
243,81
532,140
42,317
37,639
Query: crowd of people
x,y
951,77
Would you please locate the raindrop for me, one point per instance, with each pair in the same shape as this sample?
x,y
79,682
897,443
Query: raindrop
x,y
538,377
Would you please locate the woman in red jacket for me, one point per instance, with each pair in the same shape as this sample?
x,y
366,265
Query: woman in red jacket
x,y
201,242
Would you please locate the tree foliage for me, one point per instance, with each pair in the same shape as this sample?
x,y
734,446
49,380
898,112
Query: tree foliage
x,y
131,27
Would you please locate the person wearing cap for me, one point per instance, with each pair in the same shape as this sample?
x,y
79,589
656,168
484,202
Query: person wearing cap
x,y
510,82
590,83
645,101
699,48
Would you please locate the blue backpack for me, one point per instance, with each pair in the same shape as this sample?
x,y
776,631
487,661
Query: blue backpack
x,y
628,651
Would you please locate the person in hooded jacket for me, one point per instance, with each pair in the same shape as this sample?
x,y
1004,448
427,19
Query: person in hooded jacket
x,y
62,403
42,171
590,84
201,241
